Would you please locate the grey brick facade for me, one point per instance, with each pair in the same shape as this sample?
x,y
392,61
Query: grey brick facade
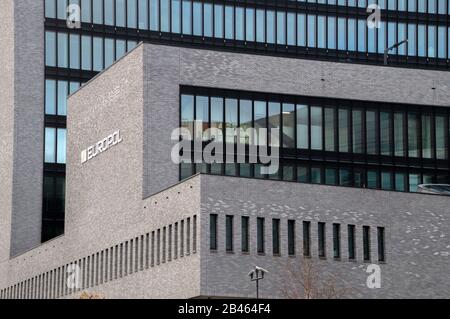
x,y
21,134
122,199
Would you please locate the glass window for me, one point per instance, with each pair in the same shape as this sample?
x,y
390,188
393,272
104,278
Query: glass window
x,y
291,37
330,176
229,233
86,10
62,9
187,18
366,243
311,30
229,22
432,41
342,34
98,53
274,123
73,86
50,97
399,134
385,133
291,237
231,119
288,125
357,117
208,20
245,170
351,43
330,127
270,27
381,249
50,8
316,175
198,22
345,177
336,241
362,35
307,239
187,113
302,174
260,25
97,11
143,14
213,232
276,236
392,36
343,130
281,27
260,122
331,32
154,16
63,91
109,12
386,181
132,14
202,116
441,149
321,239
260,235
400,182
250,24
61,152
218,21
372,179
414,181
351,242
120,13
321,32
412,39
442,6
217,118
176,16
86,51
413,135
371,38
245,234
240,26
426,136
63,50
245,120
302,126
109,52
371,132
442,46
301,29
121,48
316,128
382,37
50,145
401,32
422,40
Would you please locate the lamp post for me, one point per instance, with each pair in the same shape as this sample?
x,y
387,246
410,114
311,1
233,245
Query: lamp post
x,y
386,51
256,275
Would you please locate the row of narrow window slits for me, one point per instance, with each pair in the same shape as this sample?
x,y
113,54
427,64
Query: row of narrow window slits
x,y
291,239
142,252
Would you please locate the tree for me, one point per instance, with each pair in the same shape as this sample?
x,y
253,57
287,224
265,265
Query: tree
x,y
305,279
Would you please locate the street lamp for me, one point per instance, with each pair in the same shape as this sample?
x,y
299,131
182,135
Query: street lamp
x,y
386,51
257,274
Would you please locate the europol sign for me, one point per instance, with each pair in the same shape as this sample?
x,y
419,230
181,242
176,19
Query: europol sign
x,y
101,146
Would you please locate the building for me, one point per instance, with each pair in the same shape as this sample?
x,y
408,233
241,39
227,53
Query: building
x,y
371,133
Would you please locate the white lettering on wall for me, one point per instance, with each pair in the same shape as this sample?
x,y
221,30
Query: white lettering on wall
x,y
101,146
